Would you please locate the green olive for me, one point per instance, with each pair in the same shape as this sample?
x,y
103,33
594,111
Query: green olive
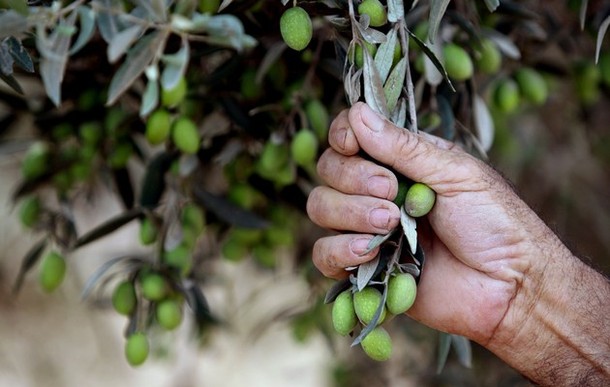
x,y
317,115
174,96
124,298
296,28
366,303
169,314
36,161
490,58
402,291
378,344
506,95
343,314
532,85
158,126
154,287
148,232
458,63
304,147
419,200
52,271
29,211
179,258
376,12
185,135
136,349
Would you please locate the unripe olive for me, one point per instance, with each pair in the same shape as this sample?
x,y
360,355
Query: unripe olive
x,y
90,132
359,52
419,200
234,250
172,97
52,271
587,80
153,286
193,217
248,236
265,256
179,258
249,88
136,349
124,298
36,161
402,291
304,147
318,118
457,62
272,159
506,95
185,135
532,85
403,187
244,195
29,211
120,154
375,10
366,303
148,232
296,28
490,58
158,126
343,314
279,236
169,314
378,344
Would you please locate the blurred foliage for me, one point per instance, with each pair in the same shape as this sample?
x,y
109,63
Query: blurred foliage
x,y
200,118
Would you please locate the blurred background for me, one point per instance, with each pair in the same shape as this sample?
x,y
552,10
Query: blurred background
x,y
269,326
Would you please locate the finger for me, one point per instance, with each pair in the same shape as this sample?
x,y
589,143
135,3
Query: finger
x,y
332,209
412,154
331,255
354,175
341,137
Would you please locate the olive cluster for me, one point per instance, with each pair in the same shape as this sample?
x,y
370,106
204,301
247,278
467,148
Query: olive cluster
x,y
358,308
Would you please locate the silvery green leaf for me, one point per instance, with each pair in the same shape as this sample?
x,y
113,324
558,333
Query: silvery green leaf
x,y
493,4
409,228
366,271
19,54
434,75
394,85
373,88
12,23
410,268
377,240
583,13
226,3
87,26
150,98
385,55
108,22
444,344
396,10
155,10
399,114
352,84
600,37
101,271
6,60
437,11
371,35
463,350
138,58
504,43
54,56
483,122
373,323
122,41
175,66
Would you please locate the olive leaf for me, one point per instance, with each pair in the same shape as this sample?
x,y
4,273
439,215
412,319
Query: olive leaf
x,y
583,13
108,227
463,349
444,345
394,85
153,184
86,17
12,23
447,116
108,22
492,5
483,122
432,62
227,211
93,280
437,10
28,262
337,288
600,37
150,98
409,228
175,66
504,43
373,88
366,271
377,240
396,10
19,54
385,55
121,42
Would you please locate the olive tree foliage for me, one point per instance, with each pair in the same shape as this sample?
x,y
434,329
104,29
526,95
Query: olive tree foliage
x,y
226,121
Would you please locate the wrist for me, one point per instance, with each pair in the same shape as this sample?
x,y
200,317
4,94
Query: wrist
x,y
553,330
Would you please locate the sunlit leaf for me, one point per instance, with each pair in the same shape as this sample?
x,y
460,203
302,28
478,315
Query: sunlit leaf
x,y
483,122
122,41
138,58
175,66
600,37
87,27
437,11
366,271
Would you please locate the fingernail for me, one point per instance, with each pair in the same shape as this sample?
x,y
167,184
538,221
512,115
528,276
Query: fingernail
x,y
340,135
371,119
379,186
359,246
380,218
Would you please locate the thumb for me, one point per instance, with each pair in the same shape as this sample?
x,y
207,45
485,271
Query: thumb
x,y
419,156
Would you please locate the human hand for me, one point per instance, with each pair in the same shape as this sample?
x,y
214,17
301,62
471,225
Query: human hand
x,y
476,238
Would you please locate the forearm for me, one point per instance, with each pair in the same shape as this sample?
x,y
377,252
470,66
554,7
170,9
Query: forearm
x,y
556,331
